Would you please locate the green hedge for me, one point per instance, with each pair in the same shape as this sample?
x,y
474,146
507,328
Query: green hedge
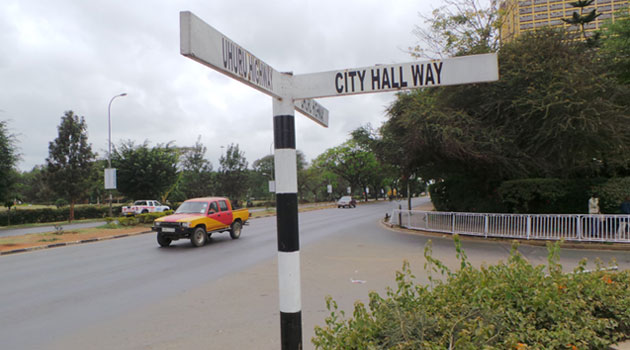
x,y
466,195
611,193
529,196
568,196
33,216
547,196
510,305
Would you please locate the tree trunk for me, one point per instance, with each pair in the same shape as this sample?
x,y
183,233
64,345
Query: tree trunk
x,y
408,195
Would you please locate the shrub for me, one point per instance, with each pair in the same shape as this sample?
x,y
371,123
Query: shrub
x,y
466,195
60,203
148,218
128,221
547,196
612,193
31,216
511,305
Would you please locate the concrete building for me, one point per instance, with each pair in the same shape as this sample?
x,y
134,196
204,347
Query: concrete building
x,y
525,15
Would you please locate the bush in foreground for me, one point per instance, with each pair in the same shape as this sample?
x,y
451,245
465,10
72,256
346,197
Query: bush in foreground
x,y
511,305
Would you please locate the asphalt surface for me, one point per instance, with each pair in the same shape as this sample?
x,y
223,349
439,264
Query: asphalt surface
x,y
130,294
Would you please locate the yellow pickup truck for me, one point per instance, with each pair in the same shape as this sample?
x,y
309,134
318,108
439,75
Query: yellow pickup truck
x,y
198,218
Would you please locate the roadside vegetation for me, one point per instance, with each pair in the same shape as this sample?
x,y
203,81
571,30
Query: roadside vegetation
x,y
510,305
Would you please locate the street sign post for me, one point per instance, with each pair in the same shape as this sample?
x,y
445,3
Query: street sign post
x,y
393,77
204,44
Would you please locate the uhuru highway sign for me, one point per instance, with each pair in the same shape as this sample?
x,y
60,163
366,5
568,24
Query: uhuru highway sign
x,y
204,44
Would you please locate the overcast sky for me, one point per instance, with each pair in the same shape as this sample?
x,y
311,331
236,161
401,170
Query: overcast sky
x,y
76,55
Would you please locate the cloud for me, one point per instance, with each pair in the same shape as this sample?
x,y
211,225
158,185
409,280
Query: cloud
x,y
77,55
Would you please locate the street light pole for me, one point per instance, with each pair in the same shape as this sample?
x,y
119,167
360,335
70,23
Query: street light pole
x,y
109,142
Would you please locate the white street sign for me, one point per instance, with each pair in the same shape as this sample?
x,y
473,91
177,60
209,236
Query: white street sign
x,y
381,78
272,186
204,44
110,178
313,110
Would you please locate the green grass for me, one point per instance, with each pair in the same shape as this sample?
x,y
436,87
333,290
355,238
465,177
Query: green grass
x,y
13,227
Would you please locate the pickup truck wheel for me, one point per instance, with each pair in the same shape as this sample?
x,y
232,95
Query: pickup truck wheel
x,y
145,211
235,230
163,241
199,237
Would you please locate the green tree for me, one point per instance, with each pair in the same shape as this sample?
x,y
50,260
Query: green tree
x,y
353,163
313,184
555,112
459,27
145,173
232,175
8,160
33,187
197,177
97,181
615,46
581,19
69,162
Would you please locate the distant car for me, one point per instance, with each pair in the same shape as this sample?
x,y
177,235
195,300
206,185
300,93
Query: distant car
x,y
346,202
143,207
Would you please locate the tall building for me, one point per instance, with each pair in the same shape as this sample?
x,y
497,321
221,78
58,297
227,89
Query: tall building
x,y
525,15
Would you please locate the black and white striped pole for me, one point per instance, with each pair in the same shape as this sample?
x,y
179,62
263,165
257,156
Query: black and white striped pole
x,y
285,159
204,44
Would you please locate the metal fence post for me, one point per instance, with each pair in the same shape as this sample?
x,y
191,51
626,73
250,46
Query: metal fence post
x,y
579,227
400,215
485,224
453,229
529,225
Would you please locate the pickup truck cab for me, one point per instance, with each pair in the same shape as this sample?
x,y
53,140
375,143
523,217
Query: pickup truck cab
x,y
144,206
198,218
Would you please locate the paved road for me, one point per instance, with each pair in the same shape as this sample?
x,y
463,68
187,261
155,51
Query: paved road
x,y
130,294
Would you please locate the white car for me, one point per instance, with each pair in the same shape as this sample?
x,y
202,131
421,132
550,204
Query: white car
x,y
346,202
144,206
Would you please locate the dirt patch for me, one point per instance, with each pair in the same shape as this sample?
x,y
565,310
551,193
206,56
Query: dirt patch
x,y
48,238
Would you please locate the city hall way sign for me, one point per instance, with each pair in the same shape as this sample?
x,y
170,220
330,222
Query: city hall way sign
x,y
204,44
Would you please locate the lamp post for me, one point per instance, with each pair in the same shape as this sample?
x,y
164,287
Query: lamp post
x,y
109,151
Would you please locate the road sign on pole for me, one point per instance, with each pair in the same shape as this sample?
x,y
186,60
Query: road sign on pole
x,y
392,77
204,44
313,110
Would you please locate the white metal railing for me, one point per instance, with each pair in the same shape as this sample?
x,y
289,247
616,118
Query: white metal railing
x,y
568,227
